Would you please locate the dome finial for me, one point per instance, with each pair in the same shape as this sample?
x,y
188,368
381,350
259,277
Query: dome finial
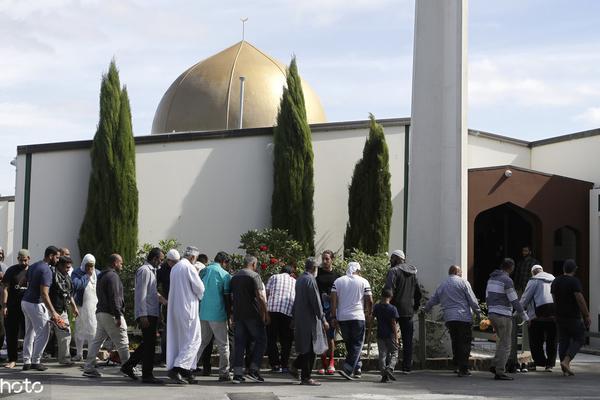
x,y
243,27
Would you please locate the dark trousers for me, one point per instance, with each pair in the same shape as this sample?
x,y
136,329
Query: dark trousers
x,y
353,333
252,330
205,358
145,351
571,336
279,330
461,337
406,331
305,362
15,321
540,332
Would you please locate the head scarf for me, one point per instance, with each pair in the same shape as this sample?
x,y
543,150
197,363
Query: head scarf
x,y
87,259
352,268
536,266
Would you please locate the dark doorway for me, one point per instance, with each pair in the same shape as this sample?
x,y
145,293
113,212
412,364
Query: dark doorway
x,y
565,247
500,232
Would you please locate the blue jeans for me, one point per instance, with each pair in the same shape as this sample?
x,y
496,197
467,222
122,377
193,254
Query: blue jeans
x,y
254,331
353,332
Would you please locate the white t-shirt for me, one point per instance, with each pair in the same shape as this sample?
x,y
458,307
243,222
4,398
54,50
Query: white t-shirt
x,y
350,291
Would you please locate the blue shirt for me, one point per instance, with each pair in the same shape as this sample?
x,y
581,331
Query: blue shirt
x,y
386,315
456,298
216,284
37,275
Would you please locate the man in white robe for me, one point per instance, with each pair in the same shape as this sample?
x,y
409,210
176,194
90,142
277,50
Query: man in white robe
x,y
183,319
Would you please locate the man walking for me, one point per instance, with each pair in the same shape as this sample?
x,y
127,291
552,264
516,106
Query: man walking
x,y
111,319
537,300
61,295
250,317
147,301
38,310
570,308
183,320
13,290
501,298
402,281
325,279
163,280
351,304
281,291
215,309
458,305
310,323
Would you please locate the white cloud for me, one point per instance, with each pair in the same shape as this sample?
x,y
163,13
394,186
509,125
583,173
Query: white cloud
x,y
555,77
589,116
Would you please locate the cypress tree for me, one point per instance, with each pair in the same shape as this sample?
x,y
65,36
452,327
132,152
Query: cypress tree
x,y
370,197
293,186
110,222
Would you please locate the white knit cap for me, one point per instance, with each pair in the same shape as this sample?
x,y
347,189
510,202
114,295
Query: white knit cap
x,y
173,255
399,254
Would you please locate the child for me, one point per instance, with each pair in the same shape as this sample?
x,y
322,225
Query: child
x,y
387,335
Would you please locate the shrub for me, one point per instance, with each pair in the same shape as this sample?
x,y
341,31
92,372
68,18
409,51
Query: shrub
x,y
273,248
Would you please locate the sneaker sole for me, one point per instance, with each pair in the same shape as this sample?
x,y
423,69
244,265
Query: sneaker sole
x,y
345,375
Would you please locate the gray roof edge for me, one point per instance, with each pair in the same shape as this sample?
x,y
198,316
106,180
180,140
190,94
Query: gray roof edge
x,y
200,135
567,137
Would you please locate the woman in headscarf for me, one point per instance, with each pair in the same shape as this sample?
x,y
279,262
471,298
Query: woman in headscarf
x,y
84,284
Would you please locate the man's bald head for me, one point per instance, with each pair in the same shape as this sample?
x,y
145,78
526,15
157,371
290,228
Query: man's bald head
x,y
454,270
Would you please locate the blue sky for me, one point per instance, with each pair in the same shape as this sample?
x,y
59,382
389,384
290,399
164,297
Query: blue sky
x,y
534,65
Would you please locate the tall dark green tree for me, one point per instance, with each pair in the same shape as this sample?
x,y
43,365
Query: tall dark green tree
x,y
370,197
110,224
293,186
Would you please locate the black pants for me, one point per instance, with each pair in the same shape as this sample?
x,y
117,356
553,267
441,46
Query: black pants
x,y
205,358
15,321
146,349
406,331
279,330
571,336
540,332
305,362
461,337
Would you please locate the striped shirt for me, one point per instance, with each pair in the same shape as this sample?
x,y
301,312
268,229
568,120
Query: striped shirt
x,y
281,292
501,296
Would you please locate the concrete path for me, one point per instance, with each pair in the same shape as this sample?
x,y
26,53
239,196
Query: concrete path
x,y
67,384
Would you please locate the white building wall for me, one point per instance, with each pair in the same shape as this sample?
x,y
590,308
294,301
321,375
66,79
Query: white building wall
x,y
594,266
203,192
7,211
484,151
576,158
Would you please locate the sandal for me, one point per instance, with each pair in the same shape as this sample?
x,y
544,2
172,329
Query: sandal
x,y
321,371
330,370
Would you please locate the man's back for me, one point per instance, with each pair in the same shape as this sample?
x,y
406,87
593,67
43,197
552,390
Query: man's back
x,y
216,285
244,287
350,291
563,289
402,280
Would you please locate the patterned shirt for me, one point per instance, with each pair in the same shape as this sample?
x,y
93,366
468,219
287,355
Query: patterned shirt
x,y
281,292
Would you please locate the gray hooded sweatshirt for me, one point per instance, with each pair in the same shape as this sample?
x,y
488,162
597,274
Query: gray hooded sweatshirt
x,y
537,293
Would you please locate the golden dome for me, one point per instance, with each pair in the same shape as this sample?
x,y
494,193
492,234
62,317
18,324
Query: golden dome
x,y
206,97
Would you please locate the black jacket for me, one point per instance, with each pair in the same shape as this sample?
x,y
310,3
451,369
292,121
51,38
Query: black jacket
x,y
402,280
110,293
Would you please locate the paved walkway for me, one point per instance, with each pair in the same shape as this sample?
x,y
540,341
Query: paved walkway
x,y
67,383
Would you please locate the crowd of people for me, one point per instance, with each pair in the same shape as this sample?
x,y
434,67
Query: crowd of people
x,y
196,304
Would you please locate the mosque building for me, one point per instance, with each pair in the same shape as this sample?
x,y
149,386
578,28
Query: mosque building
x,y
218,162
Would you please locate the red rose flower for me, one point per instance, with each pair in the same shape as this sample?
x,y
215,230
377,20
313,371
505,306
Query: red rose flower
x,y
263,266
263,248
273,260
